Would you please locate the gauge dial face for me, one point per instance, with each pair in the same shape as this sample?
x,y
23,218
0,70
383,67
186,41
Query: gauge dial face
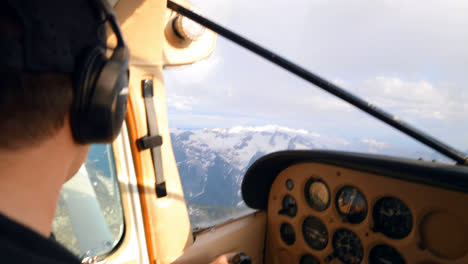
x,y
309,259
351,204
383,254
317,194
287,233
289,206
347,247
392,218
315,233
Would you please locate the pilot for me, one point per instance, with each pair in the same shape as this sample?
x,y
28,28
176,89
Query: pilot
x,y
49,50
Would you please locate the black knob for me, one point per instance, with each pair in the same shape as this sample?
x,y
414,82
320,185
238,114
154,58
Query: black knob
x,y
240,258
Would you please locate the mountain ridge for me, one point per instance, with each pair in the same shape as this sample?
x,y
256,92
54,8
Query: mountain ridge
x,y
212,162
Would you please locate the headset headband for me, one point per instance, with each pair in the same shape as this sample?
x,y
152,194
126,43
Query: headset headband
x,y
53,34
121,51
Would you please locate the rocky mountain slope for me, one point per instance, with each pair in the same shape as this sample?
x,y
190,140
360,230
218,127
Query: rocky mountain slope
x,y
212,162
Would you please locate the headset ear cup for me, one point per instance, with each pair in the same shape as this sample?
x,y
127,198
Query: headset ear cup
x,y
101,90
109,102
84,86
100,99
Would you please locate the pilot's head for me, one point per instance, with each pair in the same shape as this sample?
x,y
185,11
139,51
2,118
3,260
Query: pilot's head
x,y
52,58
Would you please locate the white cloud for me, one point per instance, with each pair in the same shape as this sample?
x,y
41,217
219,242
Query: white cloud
x,y
374,143
392,36
374,146
196,72
408,57
420,99
182,102
268,128
341,83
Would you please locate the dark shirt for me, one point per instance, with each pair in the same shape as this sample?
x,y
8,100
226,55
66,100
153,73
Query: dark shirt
x,y
19,244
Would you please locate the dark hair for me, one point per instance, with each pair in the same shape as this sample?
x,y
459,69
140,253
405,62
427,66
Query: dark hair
x,y
33,106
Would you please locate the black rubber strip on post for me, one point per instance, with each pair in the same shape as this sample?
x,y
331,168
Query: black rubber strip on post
x,y
153,140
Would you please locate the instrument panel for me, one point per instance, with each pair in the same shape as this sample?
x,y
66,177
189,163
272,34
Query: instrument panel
x,y
339,215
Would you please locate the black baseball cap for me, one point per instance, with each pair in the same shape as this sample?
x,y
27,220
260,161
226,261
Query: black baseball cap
x,y
54,34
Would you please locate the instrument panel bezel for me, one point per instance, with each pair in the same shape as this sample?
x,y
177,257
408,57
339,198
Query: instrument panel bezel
x,y
337,177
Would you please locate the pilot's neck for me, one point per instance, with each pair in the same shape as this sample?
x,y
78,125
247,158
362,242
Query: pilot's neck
x,y
31,179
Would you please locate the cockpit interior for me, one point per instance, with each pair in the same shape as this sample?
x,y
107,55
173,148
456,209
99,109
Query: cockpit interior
x,y
332,207
308,206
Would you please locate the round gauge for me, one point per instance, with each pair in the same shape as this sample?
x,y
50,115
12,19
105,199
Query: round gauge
x,y
287,233
289,184
309,259
351,204
289,206
317,194
347,247
383,254
315,233
392,218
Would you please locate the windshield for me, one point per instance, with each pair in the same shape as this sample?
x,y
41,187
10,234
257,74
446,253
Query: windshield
x,y
89,216
408,57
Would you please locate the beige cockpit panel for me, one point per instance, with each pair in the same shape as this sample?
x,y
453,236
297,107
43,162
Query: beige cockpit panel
x,y
143,24
439,232
246,234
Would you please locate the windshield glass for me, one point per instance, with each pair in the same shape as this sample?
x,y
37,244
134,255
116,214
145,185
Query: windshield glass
x,y
408,57
89,217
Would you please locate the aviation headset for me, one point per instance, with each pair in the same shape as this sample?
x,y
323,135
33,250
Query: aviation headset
x,y
49,44
101,90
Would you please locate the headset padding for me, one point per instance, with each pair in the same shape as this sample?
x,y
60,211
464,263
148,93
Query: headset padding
x,y
84,87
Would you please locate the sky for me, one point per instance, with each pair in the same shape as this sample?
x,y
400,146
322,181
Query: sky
x,y
408,57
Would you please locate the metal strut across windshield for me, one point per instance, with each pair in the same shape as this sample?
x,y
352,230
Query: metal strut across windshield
x,y
322,83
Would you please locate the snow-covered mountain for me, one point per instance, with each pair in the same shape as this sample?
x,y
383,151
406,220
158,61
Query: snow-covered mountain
x,y
212,162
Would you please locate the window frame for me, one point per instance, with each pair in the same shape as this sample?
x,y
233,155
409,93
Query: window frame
x,y
132,246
